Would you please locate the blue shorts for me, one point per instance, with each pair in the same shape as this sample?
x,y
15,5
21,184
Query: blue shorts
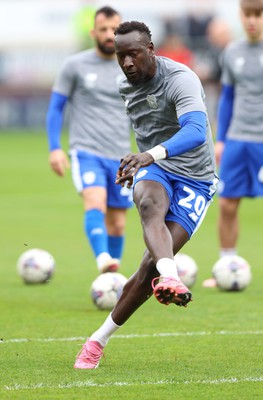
x,y
241,170
189,199
89,170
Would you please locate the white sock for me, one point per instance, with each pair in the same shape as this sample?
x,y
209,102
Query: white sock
x,y
228,252
167,267
102,335
102,259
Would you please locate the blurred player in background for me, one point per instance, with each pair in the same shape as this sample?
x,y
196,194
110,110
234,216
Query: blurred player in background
x,y
99,135
174,174
239,142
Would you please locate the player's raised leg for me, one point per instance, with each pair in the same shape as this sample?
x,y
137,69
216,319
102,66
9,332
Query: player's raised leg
x,y
137,291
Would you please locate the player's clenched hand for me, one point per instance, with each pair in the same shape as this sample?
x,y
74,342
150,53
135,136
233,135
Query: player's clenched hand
x,y
130,165
58,161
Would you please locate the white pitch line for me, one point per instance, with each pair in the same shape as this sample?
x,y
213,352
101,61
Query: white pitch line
x,y
91,383
133,336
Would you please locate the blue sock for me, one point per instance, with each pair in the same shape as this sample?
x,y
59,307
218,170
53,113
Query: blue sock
x,y
96,232
116,244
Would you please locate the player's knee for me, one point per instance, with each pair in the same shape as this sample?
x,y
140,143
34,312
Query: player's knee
x,y
148,208
117,229
228,207
116,226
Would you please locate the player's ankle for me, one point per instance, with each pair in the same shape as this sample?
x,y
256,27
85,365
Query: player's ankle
x,y
231,251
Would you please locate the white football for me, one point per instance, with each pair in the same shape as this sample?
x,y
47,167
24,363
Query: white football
x,y
187,269
36,266
106,289
232,273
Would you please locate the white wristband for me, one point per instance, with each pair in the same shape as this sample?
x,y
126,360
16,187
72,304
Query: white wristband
x,y
158,152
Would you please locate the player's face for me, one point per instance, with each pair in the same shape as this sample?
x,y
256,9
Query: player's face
x,y
136,57
252,21
103,33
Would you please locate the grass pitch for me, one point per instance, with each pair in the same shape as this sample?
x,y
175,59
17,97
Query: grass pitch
x,y
211,350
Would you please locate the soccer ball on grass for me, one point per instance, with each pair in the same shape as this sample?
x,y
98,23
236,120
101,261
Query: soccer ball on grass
x,y
187,269
36,266
106,289
232,273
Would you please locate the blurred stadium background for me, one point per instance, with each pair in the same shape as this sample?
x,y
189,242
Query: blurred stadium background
x,y
36,35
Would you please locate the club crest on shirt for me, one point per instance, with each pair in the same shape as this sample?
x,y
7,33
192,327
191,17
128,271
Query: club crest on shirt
x,y
239,64
152,101
90,80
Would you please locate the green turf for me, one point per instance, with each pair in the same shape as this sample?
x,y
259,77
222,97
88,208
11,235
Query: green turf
x,y
211,350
